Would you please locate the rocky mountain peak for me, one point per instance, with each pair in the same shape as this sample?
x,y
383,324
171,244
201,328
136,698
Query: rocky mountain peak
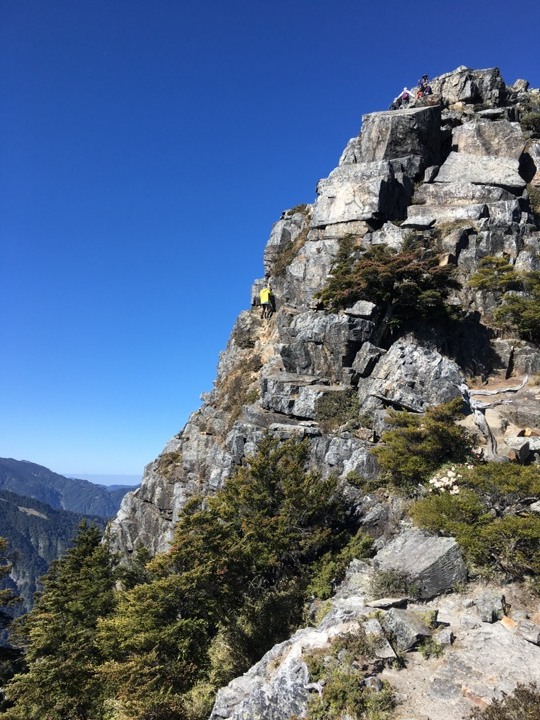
x,y
457,174
398,288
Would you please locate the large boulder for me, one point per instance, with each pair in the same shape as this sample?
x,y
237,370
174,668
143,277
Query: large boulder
x,y
319,343
410,376
486,170
433,564
490,138
405,627
396,134
459,193
465,85
363,191
294,395
426,216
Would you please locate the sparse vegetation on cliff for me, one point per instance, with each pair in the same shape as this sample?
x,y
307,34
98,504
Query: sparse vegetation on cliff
x,y
519,296
341,670
406,285
417,444
522,704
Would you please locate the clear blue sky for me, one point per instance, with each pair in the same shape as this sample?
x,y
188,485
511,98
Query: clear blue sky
x,y
147,146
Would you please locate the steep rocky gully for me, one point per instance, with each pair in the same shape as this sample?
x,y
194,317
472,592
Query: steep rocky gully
x,y
462,176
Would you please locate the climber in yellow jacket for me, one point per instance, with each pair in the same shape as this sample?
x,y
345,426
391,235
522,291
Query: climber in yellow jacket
x,y
265,297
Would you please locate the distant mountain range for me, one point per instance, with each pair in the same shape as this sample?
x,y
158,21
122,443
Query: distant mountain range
x,y
109,480
40,511
62,493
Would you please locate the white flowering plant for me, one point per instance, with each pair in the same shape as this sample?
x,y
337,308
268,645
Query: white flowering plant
x,y
447,478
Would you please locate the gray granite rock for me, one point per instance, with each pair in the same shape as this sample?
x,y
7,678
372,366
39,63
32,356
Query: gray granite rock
x,y
459,193
529,630
491,606
366,359
405,628
433,564
360,192
465,85
412,377
484,170
375,632
396,134
492,138
426,216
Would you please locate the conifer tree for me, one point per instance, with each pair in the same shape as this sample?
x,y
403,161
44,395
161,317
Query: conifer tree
x,y
233,583
58,636
10,657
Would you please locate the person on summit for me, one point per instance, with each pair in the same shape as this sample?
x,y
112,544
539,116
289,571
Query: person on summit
x,y
402,99
265,297
424,88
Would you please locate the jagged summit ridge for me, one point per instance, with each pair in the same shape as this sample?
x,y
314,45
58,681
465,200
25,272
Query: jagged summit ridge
x,y
458,171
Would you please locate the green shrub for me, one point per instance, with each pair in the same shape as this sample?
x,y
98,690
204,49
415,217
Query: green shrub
x,y
488,517
531,121
406,285
417,444
334,409
332,567
388,583
522,704
534,198
495,274
233,584
522,312
519,310
430,648
342,669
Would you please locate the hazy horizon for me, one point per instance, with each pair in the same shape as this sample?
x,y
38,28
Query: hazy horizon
x,y
106,478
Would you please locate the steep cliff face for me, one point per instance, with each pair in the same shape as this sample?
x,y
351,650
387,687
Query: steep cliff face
x,y
455,174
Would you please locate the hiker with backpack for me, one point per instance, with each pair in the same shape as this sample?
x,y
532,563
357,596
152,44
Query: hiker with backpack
x,y
266,301
402,99
424,88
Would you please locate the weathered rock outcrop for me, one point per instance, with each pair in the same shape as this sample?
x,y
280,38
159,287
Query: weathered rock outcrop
x,y
485,652
458,174
470,150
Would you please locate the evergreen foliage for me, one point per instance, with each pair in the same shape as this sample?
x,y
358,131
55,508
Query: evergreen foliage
x,y
489,518
495,274
522,704
7,597
519,296
417,444
59,636
40,535
335,409
406,285
10,657
233,583
342,670
522,311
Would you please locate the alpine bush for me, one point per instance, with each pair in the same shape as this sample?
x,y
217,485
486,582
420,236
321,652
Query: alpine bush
x,y
405,285
418,443
489,517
